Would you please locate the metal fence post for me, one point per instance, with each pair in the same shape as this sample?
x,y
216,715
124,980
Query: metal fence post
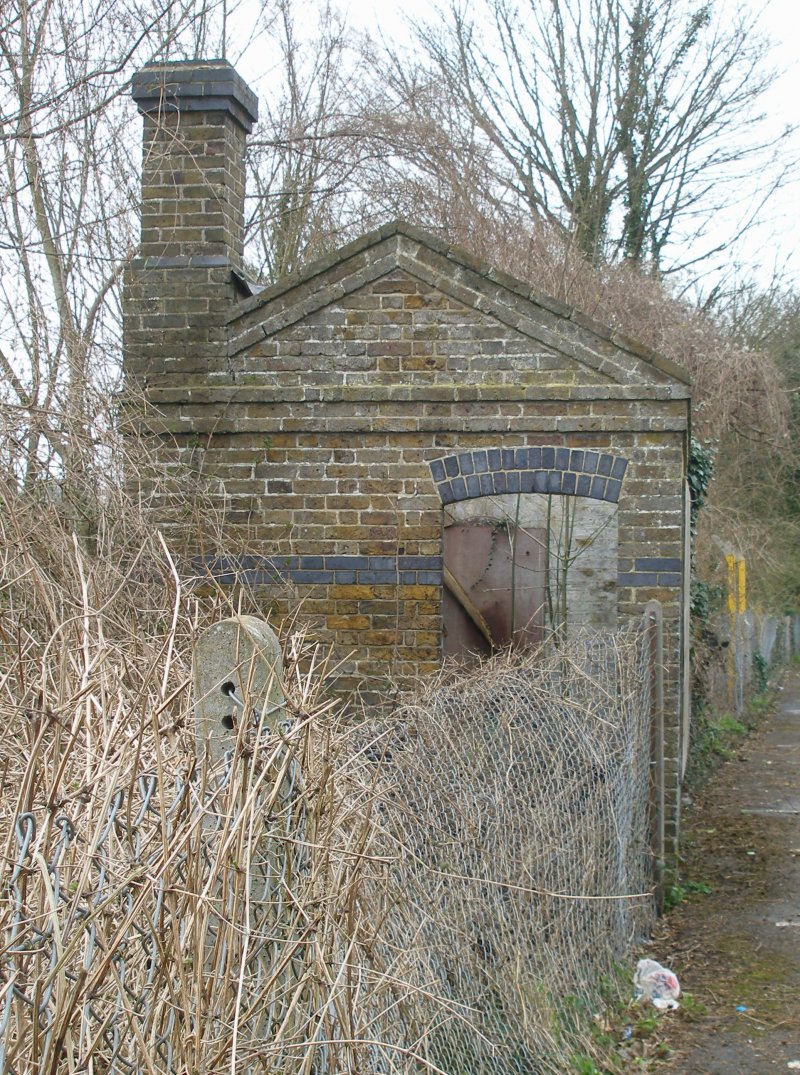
x,y
654,626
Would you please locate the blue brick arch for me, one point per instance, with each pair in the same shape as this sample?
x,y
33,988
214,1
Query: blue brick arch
x,y
564,471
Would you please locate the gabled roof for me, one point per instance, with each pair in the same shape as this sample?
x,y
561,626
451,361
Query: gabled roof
x,y
473,282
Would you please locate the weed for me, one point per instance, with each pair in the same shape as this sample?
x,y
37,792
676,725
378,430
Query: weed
x,y
572,1014
728,725
758,706
584,1065
692,1008
713,739
760,673
646,1025
678,892
698,886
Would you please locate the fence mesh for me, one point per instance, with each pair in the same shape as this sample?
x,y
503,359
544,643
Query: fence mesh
x,y
734,653
443,890
168,925
512,807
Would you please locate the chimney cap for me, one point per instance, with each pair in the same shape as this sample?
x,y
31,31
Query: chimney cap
x,y
195,86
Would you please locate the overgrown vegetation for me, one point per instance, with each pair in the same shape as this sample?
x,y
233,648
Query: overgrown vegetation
x,y
353,134
425,893
97,623
717,733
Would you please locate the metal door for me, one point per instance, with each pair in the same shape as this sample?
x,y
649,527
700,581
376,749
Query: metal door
x,y
494,587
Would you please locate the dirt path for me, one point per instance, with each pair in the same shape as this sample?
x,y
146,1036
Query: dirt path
x,y
736,949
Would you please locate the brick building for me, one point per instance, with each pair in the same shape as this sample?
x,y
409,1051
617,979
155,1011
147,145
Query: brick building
x,y
408,435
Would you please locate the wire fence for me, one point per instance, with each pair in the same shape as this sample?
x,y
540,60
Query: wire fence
x,y
446,890
740,649
168,928
513,810
158,914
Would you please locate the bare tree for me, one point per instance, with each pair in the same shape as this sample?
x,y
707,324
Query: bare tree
x,y
626,123
69,185
306,156
351,136
431,162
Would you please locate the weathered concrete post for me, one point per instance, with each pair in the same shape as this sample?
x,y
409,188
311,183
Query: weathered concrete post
x,y
237,664
254,829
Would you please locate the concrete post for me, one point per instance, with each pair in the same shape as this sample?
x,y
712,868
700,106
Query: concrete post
x,y
253,792
237,666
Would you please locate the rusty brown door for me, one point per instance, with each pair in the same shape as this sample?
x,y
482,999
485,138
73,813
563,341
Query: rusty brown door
x,y
494,587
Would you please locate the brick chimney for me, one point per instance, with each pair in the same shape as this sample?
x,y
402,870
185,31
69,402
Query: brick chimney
x,y
179,290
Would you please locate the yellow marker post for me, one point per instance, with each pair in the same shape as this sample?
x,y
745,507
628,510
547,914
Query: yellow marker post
x,y
741,586
730,560
737,604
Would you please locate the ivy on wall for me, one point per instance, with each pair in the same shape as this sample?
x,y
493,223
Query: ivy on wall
x,y
700,471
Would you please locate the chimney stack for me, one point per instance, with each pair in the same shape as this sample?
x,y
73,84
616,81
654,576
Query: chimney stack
x,y
181,287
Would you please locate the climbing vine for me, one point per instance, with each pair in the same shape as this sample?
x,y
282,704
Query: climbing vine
x,y
700,471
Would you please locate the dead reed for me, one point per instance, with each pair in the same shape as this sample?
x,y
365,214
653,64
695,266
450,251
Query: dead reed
x,y
440,890
159,915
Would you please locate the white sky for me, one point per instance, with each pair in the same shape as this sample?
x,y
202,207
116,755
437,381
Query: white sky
x,y
778,243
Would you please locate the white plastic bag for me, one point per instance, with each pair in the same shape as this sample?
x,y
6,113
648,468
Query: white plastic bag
x,y
657,984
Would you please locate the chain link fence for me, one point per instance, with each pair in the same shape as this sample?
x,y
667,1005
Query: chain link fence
x,y
739,650
446,890
512,807
170,927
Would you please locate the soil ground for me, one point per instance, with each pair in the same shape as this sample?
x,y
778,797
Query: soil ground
x,y
736,947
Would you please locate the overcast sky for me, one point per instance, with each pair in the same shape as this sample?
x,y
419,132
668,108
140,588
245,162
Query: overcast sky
x,y
780,20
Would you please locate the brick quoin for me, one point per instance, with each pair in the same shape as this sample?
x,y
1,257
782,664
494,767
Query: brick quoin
x,y
337,412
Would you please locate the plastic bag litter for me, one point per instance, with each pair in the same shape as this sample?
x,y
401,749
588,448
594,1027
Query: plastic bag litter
x,y
657,984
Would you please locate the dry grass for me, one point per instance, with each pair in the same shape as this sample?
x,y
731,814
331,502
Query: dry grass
x,y
442,891
159,915
734,390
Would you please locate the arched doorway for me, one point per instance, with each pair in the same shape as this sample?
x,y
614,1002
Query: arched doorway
x,y
518,567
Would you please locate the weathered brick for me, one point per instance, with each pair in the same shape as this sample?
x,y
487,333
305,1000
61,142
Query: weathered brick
x,y
330,408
